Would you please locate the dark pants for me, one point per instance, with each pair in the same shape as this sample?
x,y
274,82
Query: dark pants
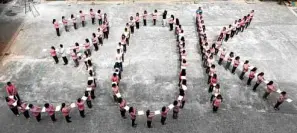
x,y
171,26
212,97
93,20
163,119
93,94
38,117
208,81
215,108
123,57
137,25
83,23
15,110
133,122
26,114
125,48
175,115
86,63
100,21
241,75
144,22
227,65
154,21
74,25
182,104
233,69
58,31
237,30
233,33
105,34
115,98
132,29
242,28
210,89
249,81
89,52
277,104
76,62
66,28
220,61
123,112
100,41
65,60
53,118
149,124
227,37
82,113
56,59
89,104
67,117
255,86
266,94
96,46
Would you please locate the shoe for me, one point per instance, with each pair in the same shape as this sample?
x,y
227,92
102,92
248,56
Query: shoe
x,y
18,115
69,121
65,64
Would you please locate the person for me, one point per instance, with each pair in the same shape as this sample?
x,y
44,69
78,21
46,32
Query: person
x,y
137,20
251,76
122,105
149,116
115,78
107,23
89,102
63,54
23,110
260,79
132,113
199,11
223,33
35,110
11,90
270,88
73,21
236,64
164,114
229,60
222,56
87,46
244,69
119,58
144,17
65,111
216,103
99,17
81,107
104,28
127,36
115,90
213,82
242,23
164,15
92,14
86,58
183,100
247,21
82,17
282,97
234,28
131,24
175,109
56,26
75,58
91,84
238,26
51,111
229,30
65,23
100,36
171,21
54,54
251,16
95,42
155,15
13,108
215,92
211,72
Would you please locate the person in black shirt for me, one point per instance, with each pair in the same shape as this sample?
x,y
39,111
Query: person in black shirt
x,y
164,18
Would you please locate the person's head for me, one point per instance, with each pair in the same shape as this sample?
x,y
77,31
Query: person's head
x,y
54,20
239,20
177,21
131,109
237,58
86,53
80,11
90,82
156,11
224,28
99,11
213,66
213,45
270,83
98,29
208,51
61,45
90,63
252,11
182,38
148,113
224,49
104,22
248,15
94,35
123,36
230,25
30,106
184,51
63,105
105,15
254,69
114,74
86,94
283,93
120,44
120,100
199,8
211,56
46,105
127,24
244,17
87,40
137,14
63,17
172,16
91,10
180,26
175,103
72,16
184,61
214,76
91,74
76,44
219,96
218,86
126,29
231,54
53,48
131,17
246,62
145,12
79,100
261,74
182,31
74,50
163,109
9,83
114,85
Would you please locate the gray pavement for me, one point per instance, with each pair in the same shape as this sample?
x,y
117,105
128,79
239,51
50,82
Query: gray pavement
x,y
151,73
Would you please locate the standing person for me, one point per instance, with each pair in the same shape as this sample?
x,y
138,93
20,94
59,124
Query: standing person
x,y
155,15
222,56
234,28
83,18
270,88
247,21
89,102
216,103
229,60
199,11
92,85
99,17
104,28
251,76
123,104
211,72
65,111
164,15
215,92
282,97
245,68
132,113
115,78
73,21
144,17
229,30
54,54
183,100
260,79
23,110
171,21
87,46
115,90
149,116
107,23
164,114
126,35
238,26
75,58
56,25
92,14
63,54
81,107
13,108
235,64
213,82
51,111
137,20
65,23
86,58
95,42
251,16
131,24
11,90
175,110
100,36
242,23
35,110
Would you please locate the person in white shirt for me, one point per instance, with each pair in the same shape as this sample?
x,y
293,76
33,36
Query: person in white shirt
x,y
63,54
228,30
120,47
119,57
131,24
100,36
233,28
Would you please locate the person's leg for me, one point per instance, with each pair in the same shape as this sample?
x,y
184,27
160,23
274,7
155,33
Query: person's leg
x,y
255,86
182,104
233,69
154,21
56,59
15,111
241,75
163,119
93,94
215,109
58,31
74,25
76,62
53,118
89,51
83,23
89,104
227,65
220,61
276,106
211,98
242,28
65,60
93,20
266,94
210,89
149,124
144,22
82,113
123,112
249,81
38,117
67,118
96,46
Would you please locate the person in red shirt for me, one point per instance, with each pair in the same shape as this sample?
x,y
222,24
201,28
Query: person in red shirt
x,y
115,90
51,111
144,17
175,110
132,113
238,26
131,24
92,14
229,60
95,41
104,28
242,23
251,76
89,102
155,14
65,23
23,110
53,53
82,17
56,26
13,108
245,69
123,104
11,90
65,111
75,58
107,23
137,19
149,116
87,46
216,103
81,107
115,78
280,100
236,64
260,79
35,110
222,56
164,114
213,82
270,88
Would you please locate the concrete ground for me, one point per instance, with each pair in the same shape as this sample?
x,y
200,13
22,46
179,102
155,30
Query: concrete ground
x,y
151,70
